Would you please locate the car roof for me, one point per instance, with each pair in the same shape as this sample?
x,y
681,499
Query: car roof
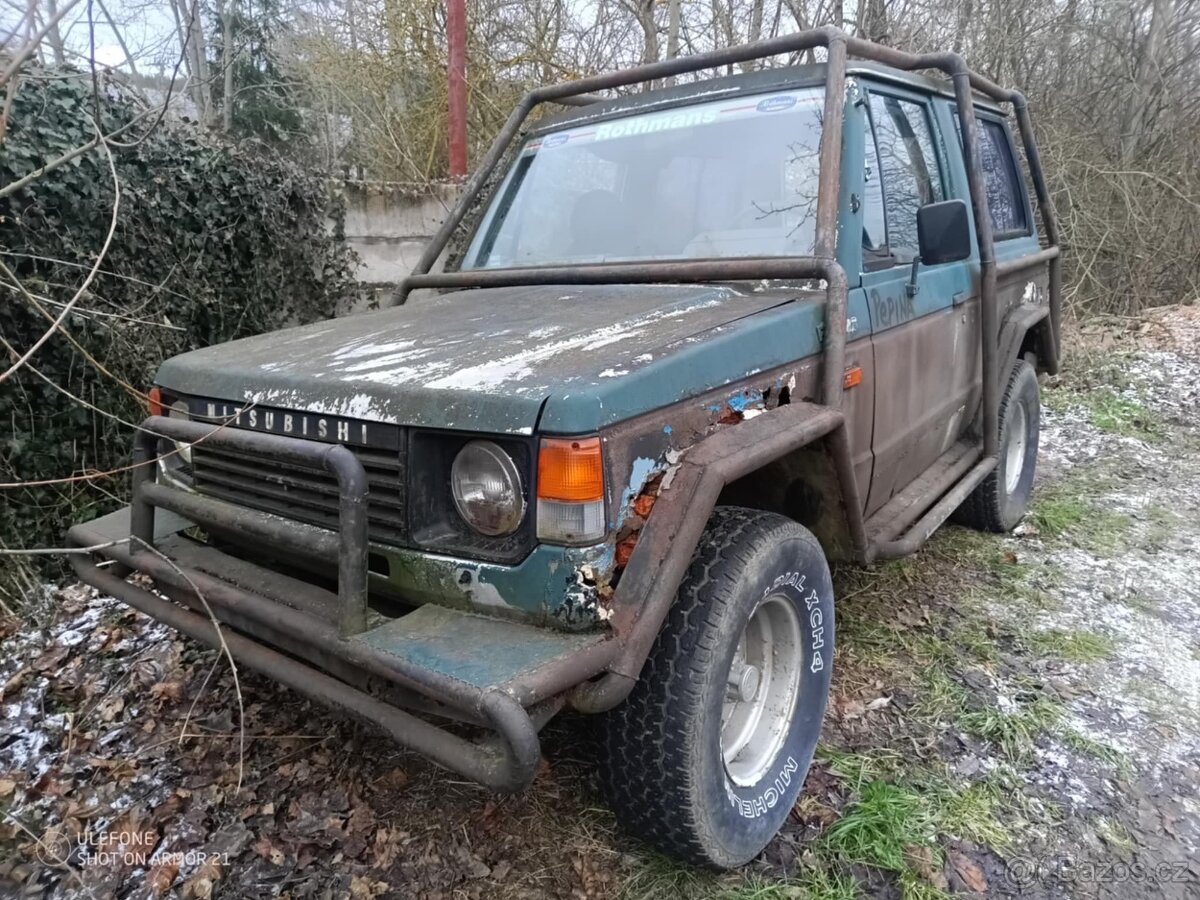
x,y
763,80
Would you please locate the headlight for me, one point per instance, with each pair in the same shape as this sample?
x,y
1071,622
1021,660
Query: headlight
x,y
487,489
179,410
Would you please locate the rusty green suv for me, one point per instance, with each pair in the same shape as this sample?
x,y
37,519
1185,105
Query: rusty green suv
x,y
693,343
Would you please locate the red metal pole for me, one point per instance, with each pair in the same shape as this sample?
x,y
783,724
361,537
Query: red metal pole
x,y
456,32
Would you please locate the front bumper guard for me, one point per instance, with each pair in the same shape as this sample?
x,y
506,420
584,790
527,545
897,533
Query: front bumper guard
x,y
512,710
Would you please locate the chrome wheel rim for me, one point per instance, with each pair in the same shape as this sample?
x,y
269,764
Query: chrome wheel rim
x,y
761,691
1014,460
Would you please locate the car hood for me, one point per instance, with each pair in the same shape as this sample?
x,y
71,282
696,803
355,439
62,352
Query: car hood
x,y
494,359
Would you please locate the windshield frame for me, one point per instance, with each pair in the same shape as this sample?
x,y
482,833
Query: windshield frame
x,y
509,190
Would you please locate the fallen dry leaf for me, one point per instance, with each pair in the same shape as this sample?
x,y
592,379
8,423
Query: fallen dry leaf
x,y
968,872
51,658
166,690
393,779
111,708
161,877
363,888
921,858
14,682
200,885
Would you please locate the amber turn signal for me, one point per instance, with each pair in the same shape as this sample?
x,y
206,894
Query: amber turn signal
x,y
154,401
853,378
570,469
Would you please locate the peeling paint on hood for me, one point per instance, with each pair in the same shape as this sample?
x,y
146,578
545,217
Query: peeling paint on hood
x,y
485,359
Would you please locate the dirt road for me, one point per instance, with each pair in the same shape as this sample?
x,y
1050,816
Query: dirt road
x,y
1015,715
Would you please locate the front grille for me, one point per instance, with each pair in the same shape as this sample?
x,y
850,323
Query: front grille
x,y
303,493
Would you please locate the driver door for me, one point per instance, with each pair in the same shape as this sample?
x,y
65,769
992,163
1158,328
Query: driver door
x,y
924,331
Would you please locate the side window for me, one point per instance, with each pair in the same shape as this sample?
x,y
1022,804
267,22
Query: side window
x,y
1001,181
874,229
908,167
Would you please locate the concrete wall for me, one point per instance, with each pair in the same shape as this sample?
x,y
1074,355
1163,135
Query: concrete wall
x,y
388,224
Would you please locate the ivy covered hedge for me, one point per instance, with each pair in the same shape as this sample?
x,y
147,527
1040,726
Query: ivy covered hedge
x,y
214,241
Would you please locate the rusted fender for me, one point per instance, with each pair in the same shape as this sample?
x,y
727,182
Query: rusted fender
x,y
677,521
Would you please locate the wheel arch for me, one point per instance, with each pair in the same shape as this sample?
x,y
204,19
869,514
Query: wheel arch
x,y
1025,332
648,583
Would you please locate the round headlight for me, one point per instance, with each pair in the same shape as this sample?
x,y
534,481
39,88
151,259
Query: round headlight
x,y
487,489
179,410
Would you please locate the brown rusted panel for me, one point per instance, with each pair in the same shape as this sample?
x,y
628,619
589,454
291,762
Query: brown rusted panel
x,y
927,373
858,405
680,514
1023,292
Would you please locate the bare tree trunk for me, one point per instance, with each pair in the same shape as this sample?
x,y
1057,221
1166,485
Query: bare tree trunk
x,y
723,28
962,23
1146,75
756,20
872,22
672,34
54,36
225,11
120,38
645,16
191,40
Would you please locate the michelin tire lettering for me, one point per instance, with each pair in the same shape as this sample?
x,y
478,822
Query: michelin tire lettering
x,y
769,798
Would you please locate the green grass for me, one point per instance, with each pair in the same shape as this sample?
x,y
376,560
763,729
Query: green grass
x,y
940,699
880,825
1162,523
1013,732
659,877
898,826
975,812
1055,514
857,769
1075,646
1114,413
813,883
1080,743
1100,385
1114,834
1067,509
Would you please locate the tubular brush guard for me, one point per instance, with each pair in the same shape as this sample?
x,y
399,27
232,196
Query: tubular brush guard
x,y
506,764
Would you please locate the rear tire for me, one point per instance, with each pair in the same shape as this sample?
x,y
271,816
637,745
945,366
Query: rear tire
x,y
706,757
1000,500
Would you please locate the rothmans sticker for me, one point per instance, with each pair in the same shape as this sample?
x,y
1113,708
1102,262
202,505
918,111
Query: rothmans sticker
x,y
687,117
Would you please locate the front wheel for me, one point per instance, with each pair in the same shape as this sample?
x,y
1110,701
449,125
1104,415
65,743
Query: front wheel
x,y
708,754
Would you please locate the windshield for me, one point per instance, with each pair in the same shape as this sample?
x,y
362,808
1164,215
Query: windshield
x,y
734,177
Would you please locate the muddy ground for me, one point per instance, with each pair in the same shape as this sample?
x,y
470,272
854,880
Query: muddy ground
x,y
1011,716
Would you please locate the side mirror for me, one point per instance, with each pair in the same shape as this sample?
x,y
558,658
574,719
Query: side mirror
x,y
943,232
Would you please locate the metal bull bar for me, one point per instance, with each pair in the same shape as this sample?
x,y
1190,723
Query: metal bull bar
x,y
506,764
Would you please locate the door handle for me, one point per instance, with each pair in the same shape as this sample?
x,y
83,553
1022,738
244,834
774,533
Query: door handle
x,y
959,298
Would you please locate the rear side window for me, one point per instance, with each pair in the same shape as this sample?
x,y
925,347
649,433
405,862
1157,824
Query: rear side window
x,y
908,169
1001,180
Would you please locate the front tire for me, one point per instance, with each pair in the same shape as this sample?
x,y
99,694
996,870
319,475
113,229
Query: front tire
x,y
1001,499
708,754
